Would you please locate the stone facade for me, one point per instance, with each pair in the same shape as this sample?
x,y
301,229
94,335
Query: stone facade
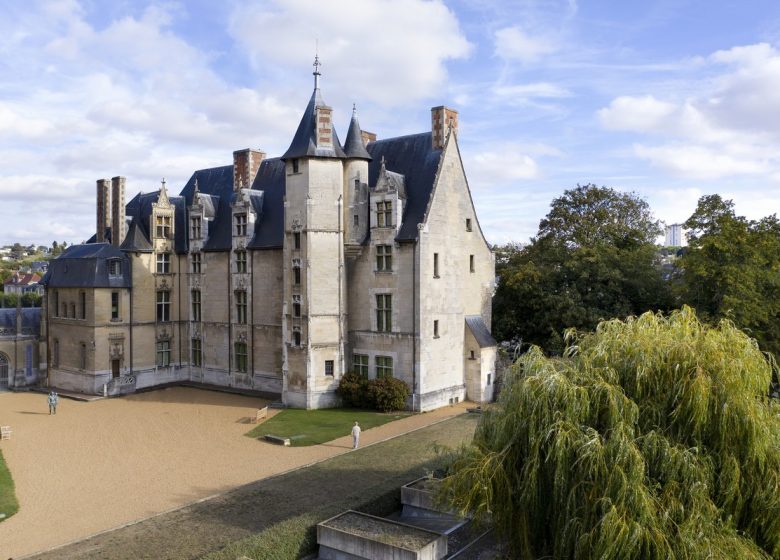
x,y
279,275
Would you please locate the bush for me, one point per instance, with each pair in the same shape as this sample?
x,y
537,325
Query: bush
x,y
353,389
385,394
388,393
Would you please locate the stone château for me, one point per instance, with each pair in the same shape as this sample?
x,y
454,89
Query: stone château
x,y
278,275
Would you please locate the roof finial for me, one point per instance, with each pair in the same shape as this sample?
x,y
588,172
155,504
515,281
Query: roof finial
x,y
354,110
317,65
163,183
197,189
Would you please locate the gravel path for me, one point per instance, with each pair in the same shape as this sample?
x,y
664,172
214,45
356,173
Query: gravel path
x,y
103,464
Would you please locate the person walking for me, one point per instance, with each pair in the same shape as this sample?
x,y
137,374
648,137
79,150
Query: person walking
x,y
53,400
355,435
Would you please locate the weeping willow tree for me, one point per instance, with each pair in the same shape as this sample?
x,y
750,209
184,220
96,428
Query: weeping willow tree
x,y
651,438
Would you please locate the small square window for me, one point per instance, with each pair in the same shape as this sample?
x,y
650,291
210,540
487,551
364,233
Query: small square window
x,y
471,263
295,166
471,357
329,368
296,338
297,240
468,224
436,265
489,380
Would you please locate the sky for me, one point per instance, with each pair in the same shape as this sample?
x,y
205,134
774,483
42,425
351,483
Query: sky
x,y
669,99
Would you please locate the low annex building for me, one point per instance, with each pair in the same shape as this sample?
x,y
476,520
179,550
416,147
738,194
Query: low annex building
x,y
281,274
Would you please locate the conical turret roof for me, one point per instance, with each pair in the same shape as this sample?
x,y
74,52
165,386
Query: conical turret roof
x,y
353,147
304,143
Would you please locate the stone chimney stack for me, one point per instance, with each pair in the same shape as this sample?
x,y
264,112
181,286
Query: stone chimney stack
x,y
442,118
367,137
103,208
246,164
117,211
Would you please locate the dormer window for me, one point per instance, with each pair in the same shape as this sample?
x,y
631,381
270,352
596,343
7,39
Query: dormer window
x,y
240,224
384,213
196,227
162,227
115,267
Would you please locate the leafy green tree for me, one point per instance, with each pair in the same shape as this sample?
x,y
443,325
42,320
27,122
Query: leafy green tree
x,y
731,269
653,438
31,299
593,258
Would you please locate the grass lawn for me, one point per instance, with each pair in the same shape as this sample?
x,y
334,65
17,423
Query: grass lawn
x,y
310,427
8,503
366,480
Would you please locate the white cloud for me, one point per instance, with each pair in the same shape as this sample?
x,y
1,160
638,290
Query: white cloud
x,y
699,162
729,127
513,43
532,90
392,53
503,164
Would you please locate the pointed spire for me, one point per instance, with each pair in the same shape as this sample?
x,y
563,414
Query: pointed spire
x,y
353,145
316,72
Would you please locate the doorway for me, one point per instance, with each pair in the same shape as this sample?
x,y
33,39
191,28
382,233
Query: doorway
x,y
114,368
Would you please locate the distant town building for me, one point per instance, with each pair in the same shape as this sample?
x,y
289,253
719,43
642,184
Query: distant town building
x,y
282,274
674,236
21,283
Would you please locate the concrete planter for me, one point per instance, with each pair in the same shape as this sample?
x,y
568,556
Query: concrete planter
x,y
353,535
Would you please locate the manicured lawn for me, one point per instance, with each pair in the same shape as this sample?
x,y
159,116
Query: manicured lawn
x,y
367,480
310,427
8,503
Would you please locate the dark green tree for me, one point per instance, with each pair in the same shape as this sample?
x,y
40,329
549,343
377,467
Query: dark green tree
x,y
731,269
652,438
593,258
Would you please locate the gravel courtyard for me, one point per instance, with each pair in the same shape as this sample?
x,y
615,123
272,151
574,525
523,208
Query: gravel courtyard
x,y
101,464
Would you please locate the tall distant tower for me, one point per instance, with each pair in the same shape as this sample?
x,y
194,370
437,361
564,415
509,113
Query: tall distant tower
x,y
674,236
314,276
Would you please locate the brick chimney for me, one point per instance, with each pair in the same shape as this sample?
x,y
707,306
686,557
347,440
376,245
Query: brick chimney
x,y
103,208
324,116
246,164
442,118
117,211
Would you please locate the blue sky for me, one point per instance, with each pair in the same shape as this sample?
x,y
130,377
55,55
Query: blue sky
x,y
670,99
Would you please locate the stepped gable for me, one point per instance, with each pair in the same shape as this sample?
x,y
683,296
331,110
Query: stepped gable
x,y
413,157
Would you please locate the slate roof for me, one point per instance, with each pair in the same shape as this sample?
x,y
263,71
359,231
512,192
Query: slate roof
x,y
136,240
480,331
86,266
413,157
353,146
266,195
31,318
304,143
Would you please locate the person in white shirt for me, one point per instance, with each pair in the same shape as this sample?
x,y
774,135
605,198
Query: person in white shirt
x,y
355,435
